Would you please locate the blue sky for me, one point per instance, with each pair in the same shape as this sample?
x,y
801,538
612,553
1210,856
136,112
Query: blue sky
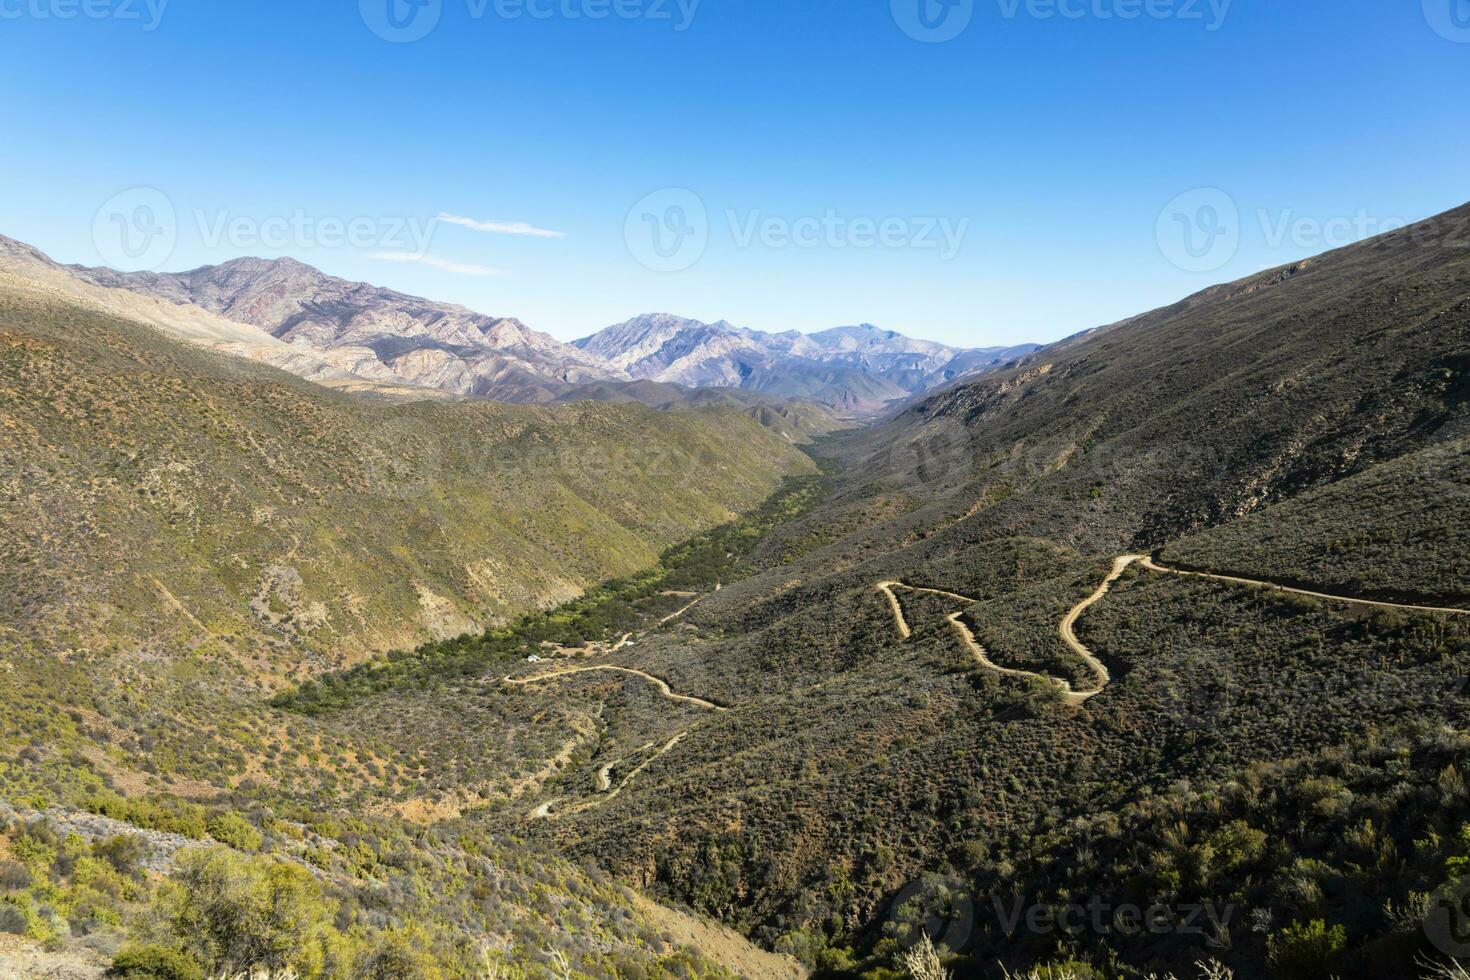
x,y
1032,176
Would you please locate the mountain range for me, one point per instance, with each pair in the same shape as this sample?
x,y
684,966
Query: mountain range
x,y
372,332
329,329
862,370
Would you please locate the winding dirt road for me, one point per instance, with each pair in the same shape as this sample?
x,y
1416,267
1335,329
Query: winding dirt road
x,y
890,589
1068,632
659,683
1069,694
547,810
673,616
604,776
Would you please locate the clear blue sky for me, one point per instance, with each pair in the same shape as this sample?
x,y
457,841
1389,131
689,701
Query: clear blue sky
x,y
1060,140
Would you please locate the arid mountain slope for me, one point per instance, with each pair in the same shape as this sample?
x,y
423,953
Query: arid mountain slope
x,y
199,326
374,331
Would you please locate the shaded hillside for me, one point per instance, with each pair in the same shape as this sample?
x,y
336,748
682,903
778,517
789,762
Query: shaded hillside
x,y
1232,400
800,421
1396,531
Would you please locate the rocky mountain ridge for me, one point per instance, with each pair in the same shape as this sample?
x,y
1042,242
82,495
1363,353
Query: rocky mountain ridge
x,y
862,369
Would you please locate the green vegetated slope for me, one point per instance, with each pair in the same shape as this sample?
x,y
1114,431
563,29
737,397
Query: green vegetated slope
x,y
172,891
159,495
853,762
183,533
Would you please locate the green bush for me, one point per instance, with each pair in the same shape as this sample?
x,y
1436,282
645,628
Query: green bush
x,y
235,913
153,962
1306,951
232,829
400,955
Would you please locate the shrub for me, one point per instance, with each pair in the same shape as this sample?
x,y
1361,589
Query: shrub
x,y
232,829
1306,951
400,955
153,962
237,913
125,852
14,876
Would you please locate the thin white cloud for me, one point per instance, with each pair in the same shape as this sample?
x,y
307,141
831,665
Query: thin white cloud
x,y
433,261
499,227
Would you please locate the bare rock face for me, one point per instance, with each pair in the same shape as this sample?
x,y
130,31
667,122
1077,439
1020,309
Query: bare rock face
x,y
156,302
861,369
377,333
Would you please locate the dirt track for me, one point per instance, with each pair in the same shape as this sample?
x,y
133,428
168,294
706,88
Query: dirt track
x,y
1154,566
661,685
1067,629
604,776
956,620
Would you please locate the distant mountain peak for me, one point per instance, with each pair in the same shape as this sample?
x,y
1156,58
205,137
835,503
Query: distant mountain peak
x,y
862,369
